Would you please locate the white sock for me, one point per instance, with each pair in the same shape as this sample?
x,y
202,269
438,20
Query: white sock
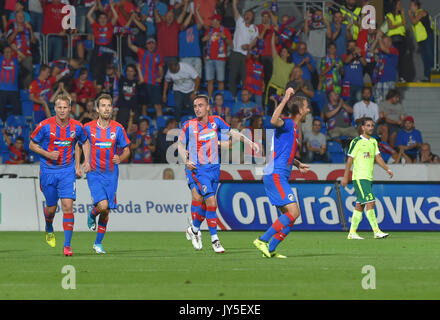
x,y
214,237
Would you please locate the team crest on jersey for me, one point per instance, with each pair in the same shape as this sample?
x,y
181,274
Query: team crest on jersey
x,y
112,135
213,125
204,188
290,196
72,134
366,155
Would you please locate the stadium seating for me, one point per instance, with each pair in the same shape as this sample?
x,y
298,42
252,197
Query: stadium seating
x,y
161,121
337,154
185,118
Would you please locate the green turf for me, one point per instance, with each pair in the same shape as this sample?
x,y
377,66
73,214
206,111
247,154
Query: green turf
x,y
153,265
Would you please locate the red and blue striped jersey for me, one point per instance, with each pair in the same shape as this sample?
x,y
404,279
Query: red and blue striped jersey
x,y
103,145
103,34
284,147
52,137
8,74
201,140
149,64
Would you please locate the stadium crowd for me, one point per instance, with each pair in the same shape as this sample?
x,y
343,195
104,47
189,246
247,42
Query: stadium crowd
x,y
153,57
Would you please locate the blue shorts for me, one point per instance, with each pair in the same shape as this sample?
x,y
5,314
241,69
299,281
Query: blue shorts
x,y
215,68
189,178
58,185
206,181
102,188
278,189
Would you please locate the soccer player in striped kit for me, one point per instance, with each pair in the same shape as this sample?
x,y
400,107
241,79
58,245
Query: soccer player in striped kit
x,y
54,140
198,146
277,172
105,135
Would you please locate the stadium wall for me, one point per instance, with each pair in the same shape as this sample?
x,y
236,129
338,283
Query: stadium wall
x,y
164,205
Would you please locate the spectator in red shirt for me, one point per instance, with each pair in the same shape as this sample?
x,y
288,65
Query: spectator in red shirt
x,y
124,8
40,92
144,146
52,24
151,72
263,42
104,50
168,29
17,153
83,87
217,39
20,36
255,73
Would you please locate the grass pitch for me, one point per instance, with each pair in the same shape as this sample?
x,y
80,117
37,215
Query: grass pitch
x,y
164,266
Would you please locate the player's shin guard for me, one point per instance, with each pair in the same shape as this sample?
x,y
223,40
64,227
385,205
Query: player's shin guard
x,y
356,218
211,219
68,221
198,215
279,237
49,220
371,216
281,223
102,227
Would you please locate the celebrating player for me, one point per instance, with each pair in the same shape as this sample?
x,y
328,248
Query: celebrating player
x,y
55,139
362,154
198,145
105,135
277,172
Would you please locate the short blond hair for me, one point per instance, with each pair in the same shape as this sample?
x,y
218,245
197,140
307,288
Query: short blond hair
x,y
63,97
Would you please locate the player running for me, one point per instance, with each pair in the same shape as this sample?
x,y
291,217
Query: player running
x,y
198,146
277,172
105,135
54,140
363,152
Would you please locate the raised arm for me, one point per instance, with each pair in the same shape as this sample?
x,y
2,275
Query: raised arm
x,y
90,14
130,44
276,120
115,14
235,10
274,49
182,14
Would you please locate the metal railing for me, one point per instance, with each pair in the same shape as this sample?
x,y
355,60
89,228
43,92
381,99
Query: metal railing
x,y
46,45
436,20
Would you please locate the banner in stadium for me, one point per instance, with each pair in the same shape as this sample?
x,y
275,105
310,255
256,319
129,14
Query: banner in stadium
x,y
18,205
399,206
166,205
327,206
141,206
318,172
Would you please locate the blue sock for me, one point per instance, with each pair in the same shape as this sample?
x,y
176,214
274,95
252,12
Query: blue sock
x,y
102,227
211,219
198,214
49,220
68,221
282,222
278,238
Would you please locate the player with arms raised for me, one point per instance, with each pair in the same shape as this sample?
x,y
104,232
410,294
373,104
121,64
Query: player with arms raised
x,y
105,135
54,140
198,146
362,154
277,172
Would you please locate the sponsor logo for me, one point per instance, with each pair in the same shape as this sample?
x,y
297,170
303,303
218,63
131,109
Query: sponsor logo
x,y
207,136
104,145
61,143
